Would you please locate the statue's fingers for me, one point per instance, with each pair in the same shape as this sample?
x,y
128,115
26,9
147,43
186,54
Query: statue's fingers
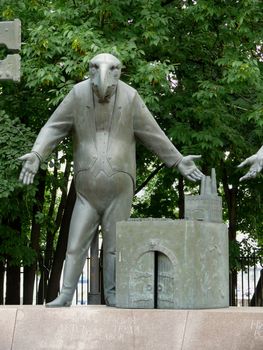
x,y
199,173
242,164
191,178
32,178
248,161
249,175
27,178
195,156
253,174
22,174
195,175
24,157
243,178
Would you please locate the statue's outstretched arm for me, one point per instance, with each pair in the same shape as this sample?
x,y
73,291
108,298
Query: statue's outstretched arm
x,y
151,135
256,164
55,129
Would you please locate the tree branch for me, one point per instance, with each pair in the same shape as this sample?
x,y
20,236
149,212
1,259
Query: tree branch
x,y
138,189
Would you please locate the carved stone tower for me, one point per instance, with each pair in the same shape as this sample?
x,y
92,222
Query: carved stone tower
x,y
208,205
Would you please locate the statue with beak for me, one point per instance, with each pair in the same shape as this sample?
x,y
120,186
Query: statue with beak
x,y
105,117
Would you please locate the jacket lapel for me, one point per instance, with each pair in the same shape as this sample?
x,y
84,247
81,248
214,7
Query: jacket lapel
x,y
91,116
116,115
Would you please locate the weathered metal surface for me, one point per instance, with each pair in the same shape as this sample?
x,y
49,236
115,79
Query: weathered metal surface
x,y
165,283
94,295
141,286
191,258
10,36
10,68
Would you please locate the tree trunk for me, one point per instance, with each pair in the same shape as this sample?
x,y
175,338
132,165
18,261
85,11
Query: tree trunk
x,y
59,256
12,285
231,199
232,214
30,271
257,299
145,182
45,268
44,261
2,273
13,271
233,288
180,188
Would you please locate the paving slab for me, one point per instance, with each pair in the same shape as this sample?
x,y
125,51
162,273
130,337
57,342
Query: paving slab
x,y
228,329
7,325
96,327
159,329
75,328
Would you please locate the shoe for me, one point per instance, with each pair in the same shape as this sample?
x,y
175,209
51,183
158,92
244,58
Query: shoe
x,y
60,301
110,300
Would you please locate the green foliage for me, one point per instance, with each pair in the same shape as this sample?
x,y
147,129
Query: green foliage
x,y
15,140
15,202
234,255
197,64
14,247
157,200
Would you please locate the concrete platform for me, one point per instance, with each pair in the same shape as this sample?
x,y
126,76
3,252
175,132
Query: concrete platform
x,y
103,328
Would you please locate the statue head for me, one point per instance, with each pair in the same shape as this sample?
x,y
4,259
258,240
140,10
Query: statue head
x,y
105,71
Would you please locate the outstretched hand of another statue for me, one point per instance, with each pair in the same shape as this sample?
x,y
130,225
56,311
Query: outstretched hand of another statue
x,y
256,164
30,168
188,168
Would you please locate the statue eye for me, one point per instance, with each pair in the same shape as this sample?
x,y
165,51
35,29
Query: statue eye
x,y
94,65
113,67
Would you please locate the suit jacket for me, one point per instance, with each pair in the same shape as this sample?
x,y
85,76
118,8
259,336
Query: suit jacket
x,y
131,119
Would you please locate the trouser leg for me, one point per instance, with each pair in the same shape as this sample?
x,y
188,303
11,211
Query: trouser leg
x,y
83,227
118,210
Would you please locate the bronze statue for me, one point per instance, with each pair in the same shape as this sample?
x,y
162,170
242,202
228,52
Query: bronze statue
x,y
105,117
256,164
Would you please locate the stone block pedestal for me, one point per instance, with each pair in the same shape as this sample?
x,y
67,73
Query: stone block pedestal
x,y
172,264
100,328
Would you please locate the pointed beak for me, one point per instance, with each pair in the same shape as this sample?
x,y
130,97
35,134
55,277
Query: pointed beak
x,y
103,80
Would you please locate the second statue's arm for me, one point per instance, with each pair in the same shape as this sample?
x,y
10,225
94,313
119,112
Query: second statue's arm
x,y
256,164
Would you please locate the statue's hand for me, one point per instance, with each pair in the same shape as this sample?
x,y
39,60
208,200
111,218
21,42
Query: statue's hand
x,y
256,165
30,168
188,168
